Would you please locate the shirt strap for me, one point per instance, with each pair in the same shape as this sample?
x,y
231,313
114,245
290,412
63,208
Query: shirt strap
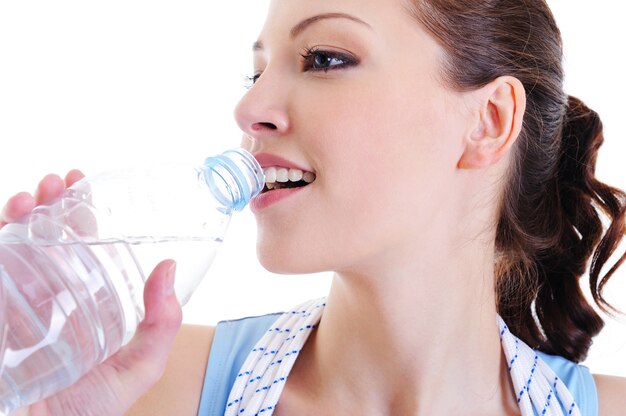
x,y
232,342
579,382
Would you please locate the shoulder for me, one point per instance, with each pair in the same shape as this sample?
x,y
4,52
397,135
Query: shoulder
x,y
178,391
611,394
578,379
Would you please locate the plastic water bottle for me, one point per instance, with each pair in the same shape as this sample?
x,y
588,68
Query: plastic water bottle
x,y
72,273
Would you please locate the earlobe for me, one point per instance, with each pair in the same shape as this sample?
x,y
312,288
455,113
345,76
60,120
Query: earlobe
x,y
502,103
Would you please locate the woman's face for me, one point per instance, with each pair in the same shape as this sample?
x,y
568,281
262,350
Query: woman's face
x,y
350,90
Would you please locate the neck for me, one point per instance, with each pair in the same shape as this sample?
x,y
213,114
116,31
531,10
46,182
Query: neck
x,y
412,340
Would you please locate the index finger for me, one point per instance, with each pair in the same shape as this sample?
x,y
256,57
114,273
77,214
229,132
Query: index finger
x,y
73,176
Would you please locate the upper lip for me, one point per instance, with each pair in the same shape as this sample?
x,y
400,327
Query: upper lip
x,y
267,160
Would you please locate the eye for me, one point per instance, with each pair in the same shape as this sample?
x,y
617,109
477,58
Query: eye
x,y
250,80
319,60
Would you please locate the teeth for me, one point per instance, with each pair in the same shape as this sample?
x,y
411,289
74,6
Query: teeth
x,y
270,175
308,177
282,175
276,174
295,175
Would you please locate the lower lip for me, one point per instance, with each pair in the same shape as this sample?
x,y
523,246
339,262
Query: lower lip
x,y
268,198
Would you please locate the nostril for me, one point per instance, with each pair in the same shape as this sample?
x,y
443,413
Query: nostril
x,y
264,126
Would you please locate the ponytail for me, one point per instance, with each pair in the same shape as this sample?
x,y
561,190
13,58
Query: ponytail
x,y
550,253
549,227
582,137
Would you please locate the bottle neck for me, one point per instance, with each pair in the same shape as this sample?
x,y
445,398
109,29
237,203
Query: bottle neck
x,y
234,177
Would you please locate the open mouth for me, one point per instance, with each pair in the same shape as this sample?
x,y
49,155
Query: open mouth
x,y
277,177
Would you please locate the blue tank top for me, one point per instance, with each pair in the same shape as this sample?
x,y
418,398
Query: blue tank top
x,y
233,341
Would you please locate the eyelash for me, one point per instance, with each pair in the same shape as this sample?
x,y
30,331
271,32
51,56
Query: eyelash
x,y
250,80
309,56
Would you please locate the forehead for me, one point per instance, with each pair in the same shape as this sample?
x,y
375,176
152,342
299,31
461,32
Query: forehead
x,y
283,15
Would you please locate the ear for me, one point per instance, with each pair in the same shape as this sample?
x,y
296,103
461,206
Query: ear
x,y
500,113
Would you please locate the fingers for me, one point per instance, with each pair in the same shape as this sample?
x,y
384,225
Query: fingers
x,y
16,207
73,176
49,188
141,363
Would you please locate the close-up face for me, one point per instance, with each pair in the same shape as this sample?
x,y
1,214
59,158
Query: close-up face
x,y
351,92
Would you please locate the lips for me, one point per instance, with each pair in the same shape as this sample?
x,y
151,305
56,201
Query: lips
x,y
282,179
268,159
282,173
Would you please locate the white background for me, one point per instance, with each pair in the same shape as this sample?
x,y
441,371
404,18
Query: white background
x,y
94,85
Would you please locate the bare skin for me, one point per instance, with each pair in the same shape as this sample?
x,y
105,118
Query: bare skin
x,y
413,288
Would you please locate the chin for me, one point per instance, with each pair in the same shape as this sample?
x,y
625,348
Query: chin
x,y
275,259
275,263
294,248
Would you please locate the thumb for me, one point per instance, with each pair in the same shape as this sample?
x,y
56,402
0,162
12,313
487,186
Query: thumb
x,y
142,361
163,311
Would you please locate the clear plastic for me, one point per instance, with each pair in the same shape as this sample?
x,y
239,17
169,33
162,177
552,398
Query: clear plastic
x,y
72,273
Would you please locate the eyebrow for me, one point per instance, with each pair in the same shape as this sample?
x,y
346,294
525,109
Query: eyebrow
x,y
299,28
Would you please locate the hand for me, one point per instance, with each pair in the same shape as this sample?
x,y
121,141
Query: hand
x,y
49,188
111,387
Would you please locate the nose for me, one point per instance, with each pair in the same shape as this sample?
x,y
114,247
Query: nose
x,y
262,112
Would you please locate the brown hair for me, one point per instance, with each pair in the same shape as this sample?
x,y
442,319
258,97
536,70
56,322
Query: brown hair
x,y
549,225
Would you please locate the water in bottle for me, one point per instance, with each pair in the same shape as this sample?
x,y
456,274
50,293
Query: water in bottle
x,y
72,273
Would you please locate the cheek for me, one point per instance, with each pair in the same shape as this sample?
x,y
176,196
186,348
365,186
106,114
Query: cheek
x,y
391,146
383,169
393,165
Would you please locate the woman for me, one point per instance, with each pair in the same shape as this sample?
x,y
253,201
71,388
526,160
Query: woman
x,y
453,181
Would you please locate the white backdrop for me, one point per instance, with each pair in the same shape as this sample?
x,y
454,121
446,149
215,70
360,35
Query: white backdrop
x,y
94,85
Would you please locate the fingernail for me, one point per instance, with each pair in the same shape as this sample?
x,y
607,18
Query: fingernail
x,y
168,284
